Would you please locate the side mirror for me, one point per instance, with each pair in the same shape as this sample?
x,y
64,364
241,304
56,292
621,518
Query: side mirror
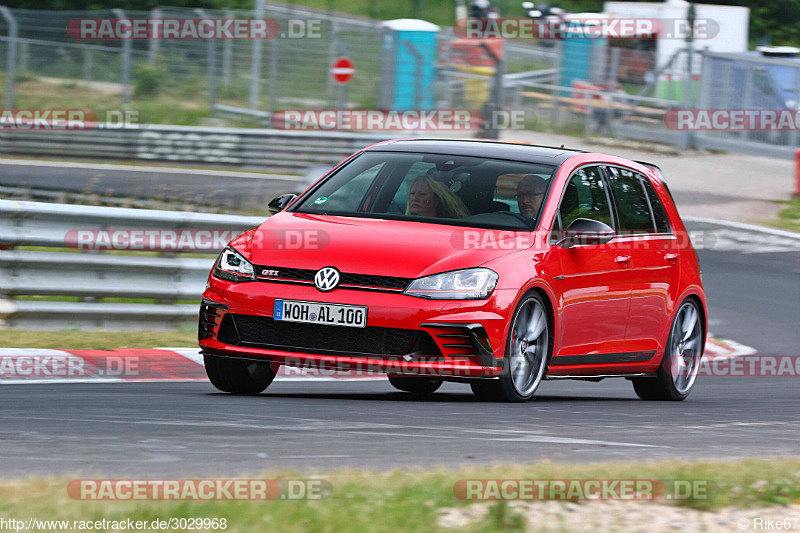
x,y
586,231
279,203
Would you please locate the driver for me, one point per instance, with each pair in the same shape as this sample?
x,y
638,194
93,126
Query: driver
x,y
530,195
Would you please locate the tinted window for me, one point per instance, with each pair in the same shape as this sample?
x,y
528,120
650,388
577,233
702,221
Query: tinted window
x,y
659,213
634,207
349,195
585,197
433,188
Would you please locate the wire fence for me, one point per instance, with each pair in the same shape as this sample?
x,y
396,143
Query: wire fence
x,y
603,92
259,75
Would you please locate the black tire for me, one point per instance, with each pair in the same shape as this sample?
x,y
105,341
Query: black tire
x,y
488,390
662,387
237,376
504,389
415,385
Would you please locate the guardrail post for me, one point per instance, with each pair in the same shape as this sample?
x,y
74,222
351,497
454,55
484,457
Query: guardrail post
x,y
255,61
797,172
613,75
495,101
7,308
274,50
87,63
24,55
126,63
11,68
332,50
152,45
227,55
211,60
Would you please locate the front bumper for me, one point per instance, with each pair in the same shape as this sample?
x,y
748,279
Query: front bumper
x,y
463,338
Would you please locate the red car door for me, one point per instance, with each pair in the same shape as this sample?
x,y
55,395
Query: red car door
x,y
594,287
655,266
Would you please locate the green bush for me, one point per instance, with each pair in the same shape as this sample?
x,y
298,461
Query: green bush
x,y
147,80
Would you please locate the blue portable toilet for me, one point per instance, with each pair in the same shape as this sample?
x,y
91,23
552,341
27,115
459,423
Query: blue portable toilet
x,y
577,60
408,64
580,54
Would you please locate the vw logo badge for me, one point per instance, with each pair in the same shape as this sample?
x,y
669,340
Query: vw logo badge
x,y
326,279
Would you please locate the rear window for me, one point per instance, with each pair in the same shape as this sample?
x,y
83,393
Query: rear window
x,y
632,200
659,213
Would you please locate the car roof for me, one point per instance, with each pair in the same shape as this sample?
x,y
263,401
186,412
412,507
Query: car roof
x,y
527,153
490,149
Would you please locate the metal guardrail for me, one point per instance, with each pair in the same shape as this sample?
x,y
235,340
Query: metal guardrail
x,y
45,224
94,275
618,114
547,75
278,150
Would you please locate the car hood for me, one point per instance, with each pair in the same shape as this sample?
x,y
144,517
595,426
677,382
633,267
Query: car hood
x,y
371,246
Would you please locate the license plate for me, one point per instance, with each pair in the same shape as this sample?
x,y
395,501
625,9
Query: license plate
x,y
354,316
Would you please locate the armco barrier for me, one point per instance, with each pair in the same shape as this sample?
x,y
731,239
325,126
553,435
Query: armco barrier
x,y
94,275
284,151
46,224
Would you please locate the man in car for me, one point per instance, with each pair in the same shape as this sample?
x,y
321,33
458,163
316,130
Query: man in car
x,y
530,194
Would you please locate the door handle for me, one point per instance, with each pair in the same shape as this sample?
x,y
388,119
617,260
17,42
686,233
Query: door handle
x,y
623,259
671,257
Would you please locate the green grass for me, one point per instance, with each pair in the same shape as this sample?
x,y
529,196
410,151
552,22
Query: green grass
x,y
789,218
408,500
96,340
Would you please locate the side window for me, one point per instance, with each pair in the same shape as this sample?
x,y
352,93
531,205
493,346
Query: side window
x,y
585,196
632,201
659,213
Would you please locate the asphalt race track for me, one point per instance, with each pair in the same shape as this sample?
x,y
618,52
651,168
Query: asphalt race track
x,y
208,187
179,429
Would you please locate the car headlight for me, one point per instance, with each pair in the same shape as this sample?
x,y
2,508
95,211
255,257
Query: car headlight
x,y
469,284
232,266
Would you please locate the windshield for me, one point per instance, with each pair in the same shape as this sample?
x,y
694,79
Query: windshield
x,y
434,188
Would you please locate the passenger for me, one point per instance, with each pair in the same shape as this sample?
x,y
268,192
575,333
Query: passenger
x,y
530,195
428,197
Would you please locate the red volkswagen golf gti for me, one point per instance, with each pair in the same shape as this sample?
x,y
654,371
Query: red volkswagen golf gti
x,y
493,264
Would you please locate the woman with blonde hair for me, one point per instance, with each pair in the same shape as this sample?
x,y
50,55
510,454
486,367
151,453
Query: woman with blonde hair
x,y
428,197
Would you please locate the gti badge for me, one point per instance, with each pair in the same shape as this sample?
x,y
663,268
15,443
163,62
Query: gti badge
x,y
266,272
326,279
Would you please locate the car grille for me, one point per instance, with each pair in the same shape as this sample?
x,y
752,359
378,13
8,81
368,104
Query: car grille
x,y
264,332
347,279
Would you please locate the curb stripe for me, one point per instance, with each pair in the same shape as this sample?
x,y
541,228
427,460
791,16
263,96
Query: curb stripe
x,y
20,365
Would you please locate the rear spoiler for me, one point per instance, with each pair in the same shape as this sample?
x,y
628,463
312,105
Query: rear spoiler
x,y
660,174
654,167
